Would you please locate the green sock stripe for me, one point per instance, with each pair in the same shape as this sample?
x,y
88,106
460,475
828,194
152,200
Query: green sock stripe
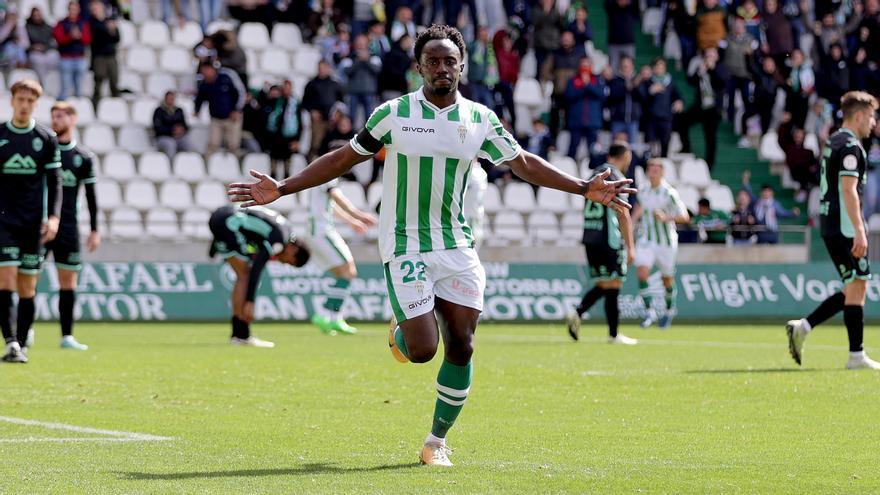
x,y
671,293
643,285
453,386
333,304
401,342
455,377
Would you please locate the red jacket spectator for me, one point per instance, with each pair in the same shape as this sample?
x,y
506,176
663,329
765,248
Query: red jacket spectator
x,y
508,59
73,36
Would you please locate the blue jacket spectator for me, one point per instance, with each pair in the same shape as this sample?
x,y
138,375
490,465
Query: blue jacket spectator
x,y
625,100
225,95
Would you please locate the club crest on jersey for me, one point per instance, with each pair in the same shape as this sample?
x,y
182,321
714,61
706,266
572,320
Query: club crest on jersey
x,y
77,161
462,132
37,143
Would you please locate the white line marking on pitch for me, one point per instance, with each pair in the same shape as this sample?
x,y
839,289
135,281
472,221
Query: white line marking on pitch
x,y
115,436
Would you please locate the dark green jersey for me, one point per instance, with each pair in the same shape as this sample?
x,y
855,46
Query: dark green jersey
x,y
77,167
843,156
715,225
261,228
601,227
25,156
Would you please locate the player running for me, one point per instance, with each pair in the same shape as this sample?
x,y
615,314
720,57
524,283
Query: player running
x,y
30,206
841,182
330,252
431,137
659,209
608,241
247,240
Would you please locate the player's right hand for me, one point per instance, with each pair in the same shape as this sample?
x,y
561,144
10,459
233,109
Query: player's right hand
x,y
607,192
860,245
254,193
49,229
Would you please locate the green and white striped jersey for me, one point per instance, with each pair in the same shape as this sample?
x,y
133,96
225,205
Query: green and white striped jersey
x,y
662,198
321,208
428,156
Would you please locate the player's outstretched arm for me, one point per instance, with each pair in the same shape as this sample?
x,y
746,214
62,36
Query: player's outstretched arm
x,y
626,228
534,169
322,170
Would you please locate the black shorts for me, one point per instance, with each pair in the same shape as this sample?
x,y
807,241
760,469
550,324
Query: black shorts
x,y
606,263
20,246
65,249
227,243
848,266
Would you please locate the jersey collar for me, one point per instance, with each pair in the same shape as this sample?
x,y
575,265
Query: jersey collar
x,y
67,147
849,131
18,130
420,95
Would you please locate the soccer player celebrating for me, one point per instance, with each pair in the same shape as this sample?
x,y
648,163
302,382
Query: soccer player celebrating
x,y
431,138
608,239
842,180
77,167
247,240
659,209
330,252
30,205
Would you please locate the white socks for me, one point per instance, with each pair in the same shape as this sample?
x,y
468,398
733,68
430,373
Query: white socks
x,y
435,440
806,324
857,355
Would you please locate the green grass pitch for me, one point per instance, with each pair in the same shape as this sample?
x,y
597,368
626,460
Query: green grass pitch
x,y
697,409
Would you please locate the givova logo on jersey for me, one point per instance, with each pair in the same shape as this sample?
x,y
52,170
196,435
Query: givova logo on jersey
x,y
20,165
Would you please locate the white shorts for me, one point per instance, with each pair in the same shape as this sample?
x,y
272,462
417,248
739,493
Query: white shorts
x,y
454,275
648,254
328,250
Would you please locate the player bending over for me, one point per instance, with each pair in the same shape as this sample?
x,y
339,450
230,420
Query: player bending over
x,y
842,181
431,138
30,205
330,252
659,209
247,240
608,241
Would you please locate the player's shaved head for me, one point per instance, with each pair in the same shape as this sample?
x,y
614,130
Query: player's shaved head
x,y
619,155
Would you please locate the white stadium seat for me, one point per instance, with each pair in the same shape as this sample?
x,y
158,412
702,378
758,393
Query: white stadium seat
x,y
141,59
109,194
572,226
186,36
154,34
255,161
252,58
154,165
642,181
689,196
519,196
275,61
509,226
720,198
218,25
127,32
811,142
135,139
175,194
695,173
195,223
189,166
354,192
162,224
142,111
224,167
43,112
374,195
16,75
670,171
285,204
253,35
528,92
131,81
113,111
141,194
553,200
492,199
287,36
874,222
543,226
567,165
159,83
770,149
305,61
210,195
119,165
85,110
99,138
125,223
25,7
176,60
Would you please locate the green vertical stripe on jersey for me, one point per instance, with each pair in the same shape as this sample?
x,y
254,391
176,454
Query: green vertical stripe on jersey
x,y
656,229
400,222
386,139
464,226
475,115
427,113
426,179
453,115
446,206
392,296
491,150
380,113
403,106
496,124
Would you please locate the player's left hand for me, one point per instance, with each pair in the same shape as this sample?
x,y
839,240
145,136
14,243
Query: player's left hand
x,y
359,227
860,245
606,192
94,241
49,229
630,256
255,193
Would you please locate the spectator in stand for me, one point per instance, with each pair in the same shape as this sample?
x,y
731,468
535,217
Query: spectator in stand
x,y
625,100
225,94
828,32
105,37
508,72
231,55
742,219
318,98
872,192
864,75
768,210
799,88
580,27
560,67
338,136
261,11
179,8
712,224
403,24
337,46
322,20
711,24
709,78
869,30
751,17
685,27
169,126
820,120
585,95
738,52
833,76
548,24
661,100
482,68
623,16
767,82
14,40
363,16
206,50
42,54
362,73
777,32
209,11
379,44
392,77
801,162
73,36
539,140
284,128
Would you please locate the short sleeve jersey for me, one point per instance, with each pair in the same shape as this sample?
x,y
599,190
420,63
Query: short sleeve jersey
x,y
260,229
844,156
601,226
25,156
663,198
428,159
77,167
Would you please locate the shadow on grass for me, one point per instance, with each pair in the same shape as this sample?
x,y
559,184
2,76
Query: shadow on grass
x,y
748,370
305,469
